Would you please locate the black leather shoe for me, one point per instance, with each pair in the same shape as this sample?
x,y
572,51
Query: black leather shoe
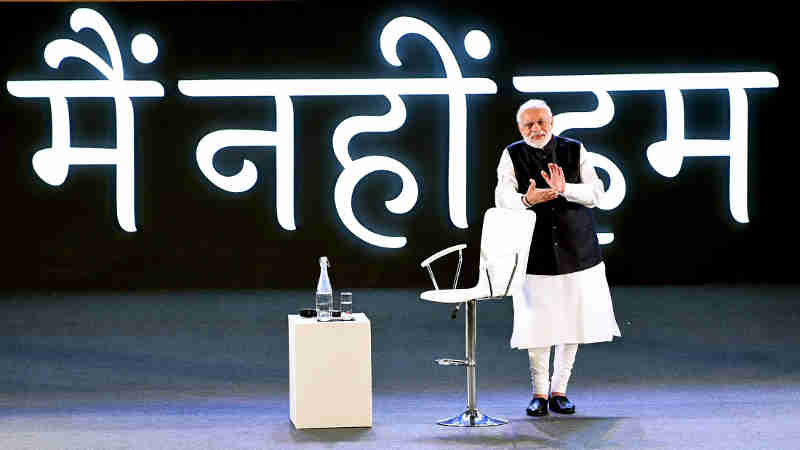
x,y
561,405
537,407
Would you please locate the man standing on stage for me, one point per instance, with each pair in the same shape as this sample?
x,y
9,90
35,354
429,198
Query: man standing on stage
x,y
565,300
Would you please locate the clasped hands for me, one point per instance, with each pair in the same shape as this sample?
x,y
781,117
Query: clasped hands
x,y
555,179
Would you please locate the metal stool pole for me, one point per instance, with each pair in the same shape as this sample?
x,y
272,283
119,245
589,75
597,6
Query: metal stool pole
x,y
471,342
471,417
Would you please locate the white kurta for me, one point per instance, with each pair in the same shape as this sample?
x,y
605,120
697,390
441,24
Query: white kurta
x,y
573,308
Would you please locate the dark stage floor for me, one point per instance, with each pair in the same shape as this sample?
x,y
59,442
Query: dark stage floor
x,y
697,367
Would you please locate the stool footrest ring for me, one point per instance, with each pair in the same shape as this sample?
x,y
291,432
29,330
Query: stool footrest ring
x,y
451,362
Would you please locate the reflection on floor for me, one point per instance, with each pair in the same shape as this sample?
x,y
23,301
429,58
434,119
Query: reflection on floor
x,y
706,366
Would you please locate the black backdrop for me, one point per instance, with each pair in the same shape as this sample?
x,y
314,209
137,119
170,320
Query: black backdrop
x,y
192,234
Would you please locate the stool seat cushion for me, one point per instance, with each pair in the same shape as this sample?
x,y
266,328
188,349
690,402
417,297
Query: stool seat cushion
x,y
455,295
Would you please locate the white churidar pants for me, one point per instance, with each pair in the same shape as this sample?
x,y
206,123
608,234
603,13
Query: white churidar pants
x,y
563,360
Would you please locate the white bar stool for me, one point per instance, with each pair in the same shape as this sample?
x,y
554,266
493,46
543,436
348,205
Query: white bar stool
x,y
505,243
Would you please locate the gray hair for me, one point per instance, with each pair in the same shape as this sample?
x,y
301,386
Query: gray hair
x,y
533,104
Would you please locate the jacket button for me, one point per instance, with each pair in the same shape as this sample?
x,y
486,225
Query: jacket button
x,y
555,244
554,227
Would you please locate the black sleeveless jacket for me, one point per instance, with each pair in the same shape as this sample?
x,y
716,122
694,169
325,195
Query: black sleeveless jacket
x,y
564,240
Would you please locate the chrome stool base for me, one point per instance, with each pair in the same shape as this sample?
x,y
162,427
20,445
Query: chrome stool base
x,y
472,418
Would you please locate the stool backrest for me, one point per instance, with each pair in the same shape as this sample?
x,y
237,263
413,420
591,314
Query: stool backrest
x,y
505,243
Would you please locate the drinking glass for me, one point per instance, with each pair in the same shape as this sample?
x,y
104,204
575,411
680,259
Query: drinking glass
x,y
346,305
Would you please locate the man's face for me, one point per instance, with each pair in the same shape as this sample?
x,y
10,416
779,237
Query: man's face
x,y
536,126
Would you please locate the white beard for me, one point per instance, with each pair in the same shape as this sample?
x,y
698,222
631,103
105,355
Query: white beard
x,y
539,143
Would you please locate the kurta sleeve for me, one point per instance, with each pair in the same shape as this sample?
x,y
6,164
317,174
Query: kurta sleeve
x,y
505,194
590,190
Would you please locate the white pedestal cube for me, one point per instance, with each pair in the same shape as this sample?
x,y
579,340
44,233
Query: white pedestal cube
x,y
330,372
